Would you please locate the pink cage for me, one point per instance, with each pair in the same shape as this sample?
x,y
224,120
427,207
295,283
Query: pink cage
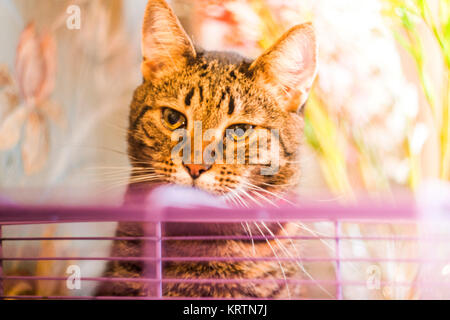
x,y
411,257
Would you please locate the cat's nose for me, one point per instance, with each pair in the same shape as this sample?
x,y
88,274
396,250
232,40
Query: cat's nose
x,y
195,170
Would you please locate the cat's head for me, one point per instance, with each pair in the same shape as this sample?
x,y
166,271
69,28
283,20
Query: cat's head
x,y
185,87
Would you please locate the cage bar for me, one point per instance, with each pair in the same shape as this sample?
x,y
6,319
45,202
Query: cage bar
x,y
158,255
339,295
154,238
1,263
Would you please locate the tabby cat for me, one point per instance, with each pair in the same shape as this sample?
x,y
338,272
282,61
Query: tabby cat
x,y
183,84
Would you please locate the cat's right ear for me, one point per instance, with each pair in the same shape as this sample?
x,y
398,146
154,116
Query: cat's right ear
x,y
165,45
289,67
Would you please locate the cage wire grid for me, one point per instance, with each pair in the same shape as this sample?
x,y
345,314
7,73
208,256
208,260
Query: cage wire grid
x,y
154,238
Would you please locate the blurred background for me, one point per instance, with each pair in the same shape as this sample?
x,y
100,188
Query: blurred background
x,y
377,121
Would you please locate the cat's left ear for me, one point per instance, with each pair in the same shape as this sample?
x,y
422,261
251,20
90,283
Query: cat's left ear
x,y
289,67
165,45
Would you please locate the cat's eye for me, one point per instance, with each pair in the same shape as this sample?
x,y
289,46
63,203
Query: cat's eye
x,y
173,119
238,132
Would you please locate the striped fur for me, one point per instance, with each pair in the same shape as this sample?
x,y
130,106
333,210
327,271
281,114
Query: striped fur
x,y
220,90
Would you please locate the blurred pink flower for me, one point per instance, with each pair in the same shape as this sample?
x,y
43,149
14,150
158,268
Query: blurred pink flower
x,y
35,70
5,78
35,66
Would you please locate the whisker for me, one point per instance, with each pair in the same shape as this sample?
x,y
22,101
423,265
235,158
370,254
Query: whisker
x,y
265,198
230,197
251,237
250,197
246,222
314,233
278,185
118,127
108,172
146,178
238,197
276,256
119,175
255,187
299,263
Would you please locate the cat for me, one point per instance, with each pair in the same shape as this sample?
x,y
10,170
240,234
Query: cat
x,y
183,84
